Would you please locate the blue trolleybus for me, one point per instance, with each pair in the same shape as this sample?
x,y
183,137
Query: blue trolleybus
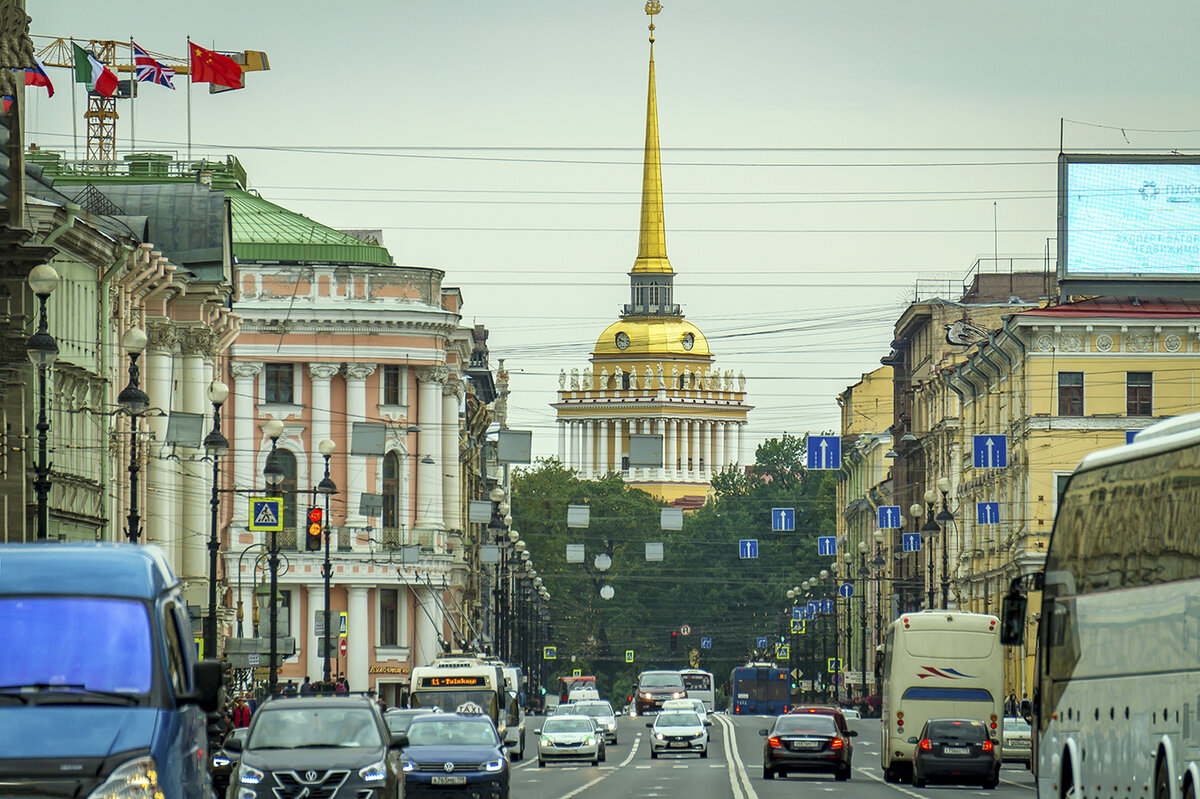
x,y
759,689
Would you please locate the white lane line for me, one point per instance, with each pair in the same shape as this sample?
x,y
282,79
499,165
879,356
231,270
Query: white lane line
x,y
641,767
717,765
632,751
882,781
739,781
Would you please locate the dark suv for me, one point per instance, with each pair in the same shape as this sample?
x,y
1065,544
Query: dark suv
x,y
656,687
334,747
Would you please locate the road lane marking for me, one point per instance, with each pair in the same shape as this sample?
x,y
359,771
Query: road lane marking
x,y
739,781
632,751
641,767
882,781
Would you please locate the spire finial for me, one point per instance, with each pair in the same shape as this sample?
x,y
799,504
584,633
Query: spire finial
x,y
652,7
652,244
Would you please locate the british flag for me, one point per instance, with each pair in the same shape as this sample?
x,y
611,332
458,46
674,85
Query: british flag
x,y
147,70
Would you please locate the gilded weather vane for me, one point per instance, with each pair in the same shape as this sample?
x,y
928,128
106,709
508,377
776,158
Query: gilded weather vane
x,y
652,7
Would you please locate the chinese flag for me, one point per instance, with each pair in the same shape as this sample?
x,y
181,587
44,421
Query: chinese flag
x,y
210,67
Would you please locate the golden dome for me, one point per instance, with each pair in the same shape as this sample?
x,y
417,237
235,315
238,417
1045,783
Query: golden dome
x,y
652,338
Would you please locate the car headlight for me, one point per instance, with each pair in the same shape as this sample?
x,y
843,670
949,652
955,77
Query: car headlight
x,y
679,695
220,760
589,741
659,736
494,765
249,775
407,765
376,772
545,742
134,779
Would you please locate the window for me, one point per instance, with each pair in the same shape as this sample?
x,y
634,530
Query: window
x,y
1139,393
625,380
1070,393
279,377
287,462
391,490
389,616
391,385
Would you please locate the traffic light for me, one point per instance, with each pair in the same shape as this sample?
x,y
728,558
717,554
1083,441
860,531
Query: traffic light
x,y
312,542
674,640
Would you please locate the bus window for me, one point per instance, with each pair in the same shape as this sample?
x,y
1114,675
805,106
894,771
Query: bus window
x,y
947,694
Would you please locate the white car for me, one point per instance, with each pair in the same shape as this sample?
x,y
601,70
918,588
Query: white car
x,y
678,731
694,705
849,713
1016,747
602,713
570,738
583,694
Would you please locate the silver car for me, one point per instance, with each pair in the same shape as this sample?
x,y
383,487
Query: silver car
x,y
601,713
1016,747
678,731
570,738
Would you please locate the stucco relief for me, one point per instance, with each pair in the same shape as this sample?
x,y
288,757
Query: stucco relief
x,y
429,374
454,386
360,371
323,371
1104,343
1070,342
1045,342
1139,342
161,336
1172,343
243,370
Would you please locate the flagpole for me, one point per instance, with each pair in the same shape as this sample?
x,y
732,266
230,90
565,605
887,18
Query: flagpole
x,y
189,99
74,111
132,100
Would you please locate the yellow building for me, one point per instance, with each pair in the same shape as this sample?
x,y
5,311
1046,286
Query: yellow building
x,y
652,372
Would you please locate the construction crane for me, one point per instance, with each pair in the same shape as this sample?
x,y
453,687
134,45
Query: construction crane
x,y
101,112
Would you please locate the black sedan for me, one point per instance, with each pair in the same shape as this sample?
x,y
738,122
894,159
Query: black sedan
x,y
222,761
808,742
955,750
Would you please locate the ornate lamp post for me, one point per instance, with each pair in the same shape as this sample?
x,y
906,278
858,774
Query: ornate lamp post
x,y
944,518
916,510
878,563
216,445
931,531
43,351
273,474
135,402
327,487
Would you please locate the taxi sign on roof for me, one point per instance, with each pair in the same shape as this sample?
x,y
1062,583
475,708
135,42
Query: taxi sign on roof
x,y
469,709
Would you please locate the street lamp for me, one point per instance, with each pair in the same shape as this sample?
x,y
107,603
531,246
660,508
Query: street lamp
x,y
216,445
43,351
862,615
134,401
931,531
327,487
945,517
273,474
878,563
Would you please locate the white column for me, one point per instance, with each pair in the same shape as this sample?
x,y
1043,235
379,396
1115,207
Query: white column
x,y
686,450
450,467
562,442
635,427
161,480
618,444
741,441
426,646
668,449
314,663
719,461
573,430
245,443
705,432
731,455
196,474
358,638
320,375
356,375
602,447
585,450
429,444
654,426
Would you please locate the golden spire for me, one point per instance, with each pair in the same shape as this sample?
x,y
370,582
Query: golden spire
x,y
652,240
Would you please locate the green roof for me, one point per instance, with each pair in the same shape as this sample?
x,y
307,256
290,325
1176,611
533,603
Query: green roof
x,y
264,231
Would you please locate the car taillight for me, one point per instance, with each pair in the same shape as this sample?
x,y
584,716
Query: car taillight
x,y
774,742
987,746
927,745
836,743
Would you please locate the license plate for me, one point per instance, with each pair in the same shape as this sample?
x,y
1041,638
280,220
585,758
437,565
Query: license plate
x,y
448,779
956,750
678,744
807,744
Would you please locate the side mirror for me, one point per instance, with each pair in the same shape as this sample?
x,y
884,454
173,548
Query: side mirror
x,y
208,678
763,733
399,740
538,731
649,724
233,743
852,733
707,723
1012,618
912,740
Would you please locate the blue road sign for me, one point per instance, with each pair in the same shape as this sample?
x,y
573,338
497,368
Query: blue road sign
x,y
991,452
783,520
1129,435
809,614
748,548
814,605
706,643
827,545
911,542
827,606
987,512
889,517
761,643
846,590
796,614
824,452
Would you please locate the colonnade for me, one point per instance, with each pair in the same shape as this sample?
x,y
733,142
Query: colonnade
x,y
693,449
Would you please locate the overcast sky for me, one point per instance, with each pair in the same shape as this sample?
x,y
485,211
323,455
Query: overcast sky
x,y
818,159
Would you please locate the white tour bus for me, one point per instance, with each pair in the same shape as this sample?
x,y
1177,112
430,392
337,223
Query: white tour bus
x,y
1115,702
938,664
454,680
699,685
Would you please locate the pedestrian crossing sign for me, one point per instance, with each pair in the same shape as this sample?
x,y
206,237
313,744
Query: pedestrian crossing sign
x,y
628,655
798,626
266,514
782,652
549,653
834,665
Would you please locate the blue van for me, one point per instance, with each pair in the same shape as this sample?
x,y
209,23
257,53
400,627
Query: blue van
x,y
101,694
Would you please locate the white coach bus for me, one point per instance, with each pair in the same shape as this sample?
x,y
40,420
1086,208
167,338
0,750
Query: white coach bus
x,y
699,685
1116,704
938,664
457,679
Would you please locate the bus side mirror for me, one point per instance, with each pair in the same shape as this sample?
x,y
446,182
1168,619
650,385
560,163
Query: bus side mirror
x,y
1012,618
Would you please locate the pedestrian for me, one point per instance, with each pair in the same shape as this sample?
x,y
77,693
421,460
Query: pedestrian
x,y
241,713
1026,706
290,689
1010,705
306,687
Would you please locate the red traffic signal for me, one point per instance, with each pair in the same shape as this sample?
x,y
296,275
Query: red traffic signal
x,y
315,515
312,541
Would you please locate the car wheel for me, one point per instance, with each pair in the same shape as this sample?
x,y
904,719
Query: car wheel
x,y
653,754
704,753
842,774
991,782
595,761
768,773
541,763
604,757
917,782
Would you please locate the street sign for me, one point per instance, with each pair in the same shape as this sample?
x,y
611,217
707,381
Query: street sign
x,y
342,647
748,548
781,652
253,659
1130,435
824,452
797,614
797,674
628,655
990,452
889,517
798,626
827,546
987,512
783,520
685,630
807,614
549,653
846,590
342,625
814,606
834,665
576,672
706,643
827,606
578,515
761,643
910,542
266,514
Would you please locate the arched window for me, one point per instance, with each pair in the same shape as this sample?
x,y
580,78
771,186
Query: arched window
x,y
655,299
287,462
391,490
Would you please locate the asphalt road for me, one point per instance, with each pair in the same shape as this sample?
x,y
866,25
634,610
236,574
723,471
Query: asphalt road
x,y
729,772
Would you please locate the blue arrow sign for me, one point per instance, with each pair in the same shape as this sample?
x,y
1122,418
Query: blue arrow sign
x,y
761,643
846,590
783,520
706,643
809,614
796,614
824,452
814,605
748,548
889,517
827,606
910,542
987,512
827,545
991,452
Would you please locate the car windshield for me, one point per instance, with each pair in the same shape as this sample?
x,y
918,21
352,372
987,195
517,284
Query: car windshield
x,y
677,720
1016,724
89,642
813,724
449,701
594,709
303,727
567,725
399,722
662,680
452,732
956,730
567,709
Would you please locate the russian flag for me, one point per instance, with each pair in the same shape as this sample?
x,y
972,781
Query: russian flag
x,y
37,76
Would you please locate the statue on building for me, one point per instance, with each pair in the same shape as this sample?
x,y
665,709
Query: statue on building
x,y
633,377
661,383
675,382
16,48
618,377
729,380
603,382
587,380
562,379
574,379
500,404
741,380
649,378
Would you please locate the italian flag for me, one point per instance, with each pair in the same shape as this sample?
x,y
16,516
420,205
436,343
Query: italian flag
x,y
89,70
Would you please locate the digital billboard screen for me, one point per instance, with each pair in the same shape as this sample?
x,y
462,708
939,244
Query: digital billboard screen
x,y
1129,217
